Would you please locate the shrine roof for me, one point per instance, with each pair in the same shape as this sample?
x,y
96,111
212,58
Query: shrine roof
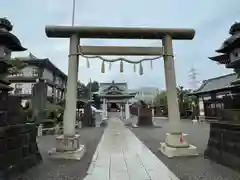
x,y
115,90
229,44
215,84
222,58
11,41
106,87
118,32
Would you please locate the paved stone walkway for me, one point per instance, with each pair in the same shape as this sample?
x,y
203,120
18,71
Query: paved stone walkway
x,y
121,155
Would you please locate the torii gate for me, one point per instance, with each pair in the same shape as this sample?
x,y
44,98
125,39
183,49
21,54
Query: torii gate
x,y
175,143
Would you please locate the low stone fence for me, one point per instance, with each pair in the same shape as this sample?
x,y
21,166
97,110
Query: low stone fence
x,y
224,144
57,129
18,149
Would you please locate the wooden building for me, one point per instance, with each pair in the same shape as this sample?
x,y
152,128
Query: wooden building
x,y
217,93
37,69
212,93
115,96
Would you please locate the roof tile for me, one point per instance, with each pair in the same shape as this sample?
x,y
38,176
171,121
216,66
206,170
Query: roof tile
x,y
217,83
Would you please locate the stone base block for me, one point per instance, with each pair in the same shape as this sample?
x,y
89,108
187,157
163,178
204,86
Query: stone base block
x,y
176,144
68,148
75,155
177,140
174,152
67,143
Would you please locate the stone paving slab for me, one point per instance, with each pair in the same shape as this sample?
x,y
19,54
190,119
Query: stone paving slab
x,y
59,169
186,168
120,155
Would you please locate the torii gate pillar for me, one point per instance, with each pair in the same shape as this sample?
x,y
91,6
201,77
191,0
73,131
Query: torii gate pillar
x,y
68,145
175,143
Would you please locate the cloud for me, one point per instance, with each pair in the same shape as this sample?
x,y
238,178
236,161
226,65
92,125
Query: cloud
x,y
211,19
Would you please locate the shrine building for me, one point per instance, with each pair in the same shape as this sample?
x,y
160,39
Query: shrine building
x,y
115,96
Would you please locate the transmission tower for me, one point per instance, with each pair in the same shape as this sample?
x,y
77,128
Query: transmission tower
x,y
193,78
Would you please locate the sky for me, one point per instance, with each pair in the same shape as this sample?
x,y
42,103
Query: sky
x,y
210,18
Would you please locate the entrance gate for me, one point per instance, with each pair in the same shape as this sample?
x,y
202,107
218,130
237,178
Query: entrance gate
x,y
175,143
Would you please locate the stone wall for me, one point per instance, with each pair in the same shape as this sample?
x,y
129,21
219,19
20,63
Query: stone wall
x,y
224,144
18,147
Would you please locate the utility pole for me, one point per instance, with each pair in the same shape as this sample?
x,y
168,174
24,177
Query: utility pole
x,y
193,78
73,12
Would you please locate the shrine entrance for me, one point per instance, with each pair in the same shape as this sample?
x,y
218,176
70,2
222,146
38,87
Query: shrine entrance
x,y
175,143
114,107
115,98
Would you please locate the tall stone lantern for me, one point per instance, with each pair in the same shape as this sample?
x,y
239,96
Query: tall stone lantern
x,y
19,151
8,43
223,144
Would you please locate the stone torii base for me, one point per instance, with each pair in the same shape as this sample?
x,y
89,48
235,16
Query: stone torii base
x,y
175,143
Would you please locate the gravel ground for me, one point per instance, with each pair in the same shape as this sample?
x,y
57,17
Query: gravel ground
x,y
55,169
186,168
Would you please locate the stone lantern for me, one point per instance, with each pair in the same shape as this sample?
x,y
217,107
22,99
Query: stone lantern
x,y
8,43
225,150
19,151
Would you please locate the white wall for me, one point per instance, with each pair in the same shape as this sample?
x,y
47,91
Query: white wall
x,y
47,74
26,87
27,71
235,55
49,91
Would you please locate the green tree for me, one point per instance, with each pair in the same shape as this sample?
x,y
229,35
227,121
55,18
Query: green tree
x,y
94,86
96,101
16,65
184,100
82,91
161,99
237,71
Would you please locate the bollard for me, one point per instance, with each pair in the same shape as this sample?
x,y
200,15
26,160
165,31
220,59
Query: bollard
x,y
40,130
57,129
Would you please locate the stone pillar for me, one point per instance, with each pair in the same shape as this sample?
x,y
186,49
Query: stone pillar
x,y
127,111
71,94
201,109
68,145
175,143
172,99
121,112
153,114
104,108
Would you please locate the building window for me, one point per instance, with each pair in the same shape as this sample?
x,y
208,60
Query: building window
x,y
32,85
34,72
18,86
18,89
19,73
